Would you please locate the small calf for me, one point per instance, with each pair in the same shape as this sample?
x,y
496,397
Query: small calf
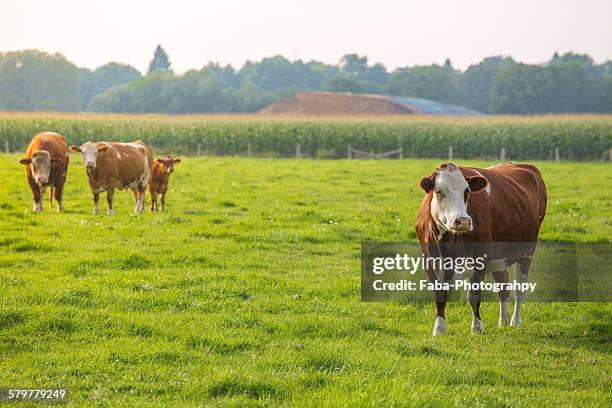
x,y
158,183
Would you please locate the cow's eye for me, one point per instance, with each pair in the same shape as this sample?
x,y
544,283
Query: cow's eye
x,y
440,194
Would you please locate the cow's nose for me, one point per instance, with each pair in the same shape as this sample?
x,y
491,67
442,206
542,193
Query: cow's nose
x,y
90,165
463,223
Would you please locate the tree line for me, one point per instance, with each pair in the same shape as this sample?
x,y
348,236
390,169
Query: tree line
x,y
32,80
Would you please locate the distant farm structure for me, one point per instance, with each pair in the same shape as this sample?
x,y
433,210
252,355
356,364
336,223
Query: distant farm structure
x,y
331,103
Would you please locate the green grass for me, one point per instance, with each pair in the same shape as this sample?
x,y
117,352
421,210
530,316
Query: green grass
x,y
246,292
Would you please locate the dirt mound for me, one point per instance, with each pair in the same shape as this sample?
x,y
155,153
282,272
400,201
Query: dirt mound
x,y
329,103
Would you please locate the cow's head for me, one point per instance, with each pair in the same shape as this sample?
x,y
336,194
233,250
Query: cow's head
x,y
40,165
167,164
450,190
90,152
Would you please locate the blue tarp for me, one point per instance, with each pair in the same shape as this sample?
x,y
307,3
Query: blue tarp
x,y
433,107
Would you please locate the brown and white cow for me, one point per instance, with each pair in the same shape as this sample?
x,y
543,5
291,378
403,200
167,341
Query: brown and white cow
x,y
46,162
160,176
475,208
112,165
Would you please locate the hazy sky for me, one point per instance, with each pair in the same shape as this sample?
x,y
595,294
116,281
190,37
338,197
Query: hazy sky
x,y
395,33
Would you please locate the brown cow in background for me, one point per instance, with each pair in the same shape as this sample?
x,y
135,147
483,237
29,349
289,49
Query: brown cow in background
x,y
160,176
46,162
112,165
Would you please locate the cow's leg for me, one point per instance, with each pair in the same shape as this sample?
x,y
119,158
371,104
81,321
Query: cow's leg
x,y
163,200
153,200
109,199
504,318
96,197
440,325
441,296
59,190
474,298
522,270
35,193
51,194
143,197
139,195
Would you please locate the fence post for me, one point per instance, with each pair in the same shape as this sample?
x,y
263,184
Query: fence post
x,y
199,151
557,156
502,154
298,151
7,150
349,153
450,153
401,153
249,149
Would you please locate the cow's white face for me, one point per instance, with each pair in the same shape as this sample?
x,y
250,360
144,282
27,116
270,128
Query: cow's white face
x,y
40,166
450,194
90,152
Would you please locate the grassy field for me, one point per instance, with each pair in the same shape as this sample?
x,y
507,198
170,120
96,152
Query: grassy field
x,y
246,292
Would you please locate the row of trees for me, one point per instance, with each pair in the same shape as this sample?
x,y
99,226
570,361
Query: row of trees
x,y
33,80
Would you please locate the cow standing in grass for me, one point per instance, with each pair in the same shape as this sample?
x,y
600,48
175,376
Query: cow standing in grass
x,y
494,213
112,165
160,176
46,162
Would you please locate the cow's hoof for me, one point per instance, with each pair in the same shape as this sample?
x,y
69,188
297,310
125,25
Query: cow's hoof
x,y
111,211
439,327
516,321
477,326
60,208
37,207
504,321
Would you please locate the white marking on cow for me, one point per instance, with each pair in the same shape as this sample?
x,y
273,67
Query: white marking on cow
x,y
439,326
504,319
37,207
488,187
97,208
111,211
477,326
518,296
90,154
447,204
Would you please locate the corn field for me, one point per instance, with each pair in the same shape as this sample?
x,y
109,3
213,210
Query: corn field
x,y
579,138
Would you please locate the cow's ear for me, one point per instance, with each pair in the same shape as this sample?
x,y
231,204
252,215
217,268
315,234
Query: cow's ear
x,y
427,184
477,183
160,161
177,161
25,162
75,149
102,148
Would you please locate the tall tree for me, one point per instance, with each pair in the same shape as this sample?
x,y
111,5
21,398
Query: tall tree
x,y
95,82
160,61
475,84
427,82
33,81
